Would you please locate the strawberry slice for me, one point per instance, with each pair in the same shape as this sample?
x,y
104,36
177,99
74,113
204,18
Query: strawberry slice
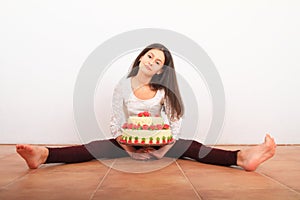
x,y
157,140
159,126
145,127
151,140
136,139
124,126
146,114
164,139
135,126
166,126
143,140
129,126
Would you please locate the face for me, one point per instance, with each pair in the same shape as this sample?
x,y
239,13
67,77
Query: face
x,y
152,62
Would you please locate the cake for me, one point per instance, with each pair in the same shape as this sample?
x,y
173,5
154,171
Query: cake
x,y
146,130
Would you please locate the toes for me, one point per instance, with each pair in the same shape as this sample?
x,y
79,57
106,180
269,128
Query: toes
x,y
19,147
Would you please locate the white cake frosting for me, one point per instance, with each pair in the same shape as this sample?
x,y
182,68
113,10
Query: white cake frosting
x,y
146,130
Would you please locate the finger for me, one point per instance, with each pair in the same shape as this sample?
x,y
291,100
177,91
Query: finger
x,y
151,150
142,156
146,155
139,158
153,154
150,153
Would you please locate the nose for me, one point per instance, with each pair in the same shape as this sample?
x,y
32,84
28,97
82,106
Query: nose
x,y
151,62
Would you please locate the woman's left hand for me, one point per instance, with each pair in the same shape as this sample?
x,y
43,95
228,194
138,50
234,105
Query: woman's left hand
x,y
160,153
140,154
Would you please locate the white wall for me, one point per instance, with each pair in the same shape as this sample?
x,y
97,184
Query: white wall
x,y
255,46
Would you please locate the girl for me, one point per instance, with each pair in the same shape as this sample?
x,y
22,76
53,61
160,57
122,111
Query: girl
x,y
151,85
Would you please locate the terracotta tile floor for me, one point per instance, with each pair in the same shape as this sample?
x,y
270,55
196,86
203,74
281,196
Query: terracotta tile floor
x,y
278,178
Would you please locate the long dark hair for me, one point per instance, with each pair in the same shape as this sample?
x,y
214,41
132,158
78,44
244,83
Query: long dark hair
x,y
166,80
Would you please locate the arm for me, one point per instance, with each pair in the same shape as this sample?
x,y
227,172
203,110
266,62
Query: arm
x,y
161,152
117,115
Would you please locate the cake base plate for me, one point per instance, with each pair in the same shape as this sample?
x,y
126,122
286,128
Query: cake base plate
x,y
146,145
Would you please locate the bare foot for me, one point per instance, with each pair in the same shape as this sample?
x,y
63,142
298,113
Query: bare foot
x,y
33,155
251,158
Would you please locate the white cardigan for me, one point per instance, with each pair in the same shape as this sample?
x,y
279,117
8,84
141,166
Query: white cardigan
x,y
126,104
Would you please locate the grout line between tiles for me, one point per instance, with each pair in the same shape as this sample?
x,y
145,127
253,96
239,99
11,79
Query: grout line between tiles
x,y
278,182
14,180
188,180
102,180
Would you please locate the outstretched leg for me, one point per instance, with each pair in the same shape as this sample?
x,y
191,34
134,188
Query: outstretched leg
x,y
36,155
251,158
201,153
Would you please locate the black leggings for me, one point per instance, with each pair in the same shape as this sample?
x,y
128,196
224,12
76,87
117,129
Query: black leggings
x,y
111,149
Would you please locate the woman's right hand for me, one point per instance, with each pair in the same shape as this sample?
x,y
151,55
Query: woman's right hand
x,y
136,154
140,154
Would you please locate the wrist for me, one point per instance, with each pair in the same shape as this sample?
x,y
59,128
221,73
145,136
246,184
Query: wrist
x,y
130,153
